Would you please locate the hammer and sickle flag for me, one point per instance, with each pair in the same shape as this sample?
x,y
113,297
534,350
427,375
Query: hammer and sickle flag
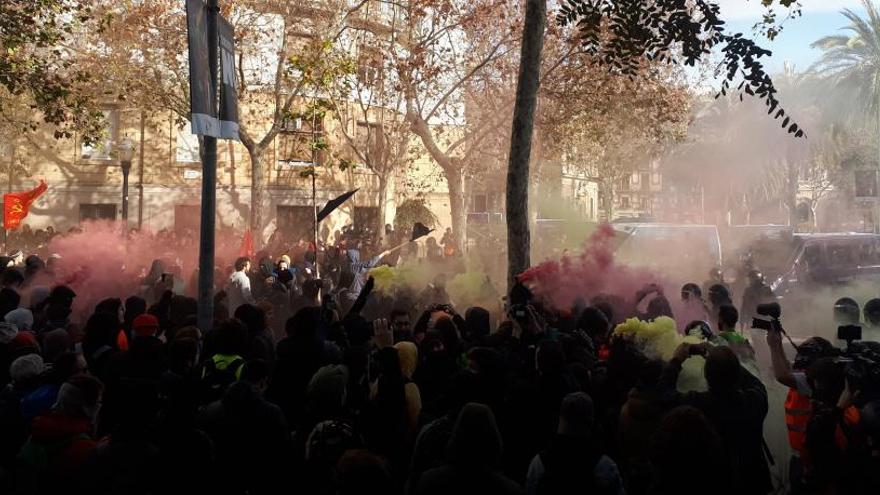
x,y
15,205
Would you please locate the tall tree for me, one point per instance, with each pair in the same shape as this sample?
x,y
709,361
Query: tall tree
x,y
852,63
287,62
517,205
446,46
37,66
369,107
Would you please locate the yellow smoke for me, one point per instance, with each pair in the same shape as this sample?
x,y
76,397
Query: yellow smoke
x,y
467,287
659,339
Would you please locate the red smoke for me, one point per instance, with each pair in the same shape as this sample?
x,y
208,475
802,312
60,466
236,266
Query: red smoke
x,y
99,263
586,275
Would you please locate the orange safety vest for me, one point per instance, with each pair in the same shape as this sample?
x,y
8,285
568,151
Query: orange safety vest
x,y
851,419
797,415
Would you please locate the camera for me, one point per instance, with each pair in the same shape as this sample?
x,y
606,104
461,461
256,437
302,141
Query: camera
x,y
771,310
518,312
849,333
862,368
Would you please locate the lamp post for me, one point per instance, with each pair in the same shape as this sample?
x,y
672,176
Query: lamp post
x,y
126,153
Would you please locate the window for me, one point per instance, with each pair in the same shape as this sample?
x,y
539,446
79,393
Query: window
x,y
480,203
643,204
97,212
103,148
592,210
294,150
294,140
296,222
866,183
624,183
624,202
646,181
187,146
655,179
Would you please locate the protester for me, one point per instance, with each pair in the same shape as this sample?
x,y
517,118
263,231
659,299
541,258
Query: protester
x,y
574,462
736,405
239,286
475,451
543,398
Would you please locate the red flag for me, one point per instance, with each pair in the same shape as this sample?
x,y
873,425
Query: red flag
x,y
247,244
15,205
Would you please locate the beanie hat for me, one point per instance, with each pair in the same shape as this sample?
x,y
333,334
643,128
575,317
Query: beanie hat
x,y
23,318
326,390
285,258
26,368
145,325
78,397
25,340
8,331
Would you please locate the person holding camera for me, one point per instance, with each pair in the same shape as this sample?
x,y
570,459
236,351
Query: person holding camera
x,y
736,405
798,402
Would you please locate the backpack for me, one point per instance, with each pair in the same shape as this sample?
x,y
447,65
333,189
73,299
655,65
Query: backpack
x,y
215,381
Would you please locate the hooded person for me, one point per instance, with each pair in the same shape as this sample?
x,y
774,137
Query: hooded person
x,y
359,271
62,442
9,300
329,433
475,450
250,435
33,265
408,355
8,332
574,462
25,373
22,318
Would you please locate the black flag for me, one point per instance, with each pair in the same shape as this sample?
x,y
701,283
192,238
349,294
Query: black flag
x,y
419,230
334,203
203,112
228,84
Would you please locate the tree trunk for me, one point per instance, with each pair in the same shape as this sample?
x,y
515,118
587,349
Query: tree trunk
x,y
455,181
258,189
383,203
791,194
607,200
517,207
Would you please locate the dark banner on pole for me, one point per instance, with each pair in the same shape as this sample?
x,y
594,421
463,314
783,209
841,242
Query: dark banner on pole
x,y
228,86
203,113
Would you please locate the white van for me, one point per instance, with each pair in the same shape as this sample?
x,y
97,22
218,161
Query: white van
x,y
680,251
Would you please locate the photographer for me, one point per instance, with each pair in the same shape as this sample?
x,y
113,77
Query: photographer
x,y
839,436
798,401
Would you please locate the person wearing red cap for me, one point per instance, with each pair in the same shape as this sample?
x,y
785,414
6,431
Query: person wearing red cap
x,y
133,374
145,325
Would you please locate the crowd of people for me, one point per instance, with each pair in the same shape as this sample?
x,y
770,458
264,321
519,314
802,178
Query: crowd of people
x,y
324,385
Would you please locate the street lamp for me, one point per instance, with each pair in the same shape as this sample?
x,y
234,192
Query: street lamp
x,y
126,153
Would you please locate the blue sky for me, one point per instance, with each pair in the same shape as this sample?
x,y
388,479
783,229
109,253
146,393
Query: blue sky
x,y
820,18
